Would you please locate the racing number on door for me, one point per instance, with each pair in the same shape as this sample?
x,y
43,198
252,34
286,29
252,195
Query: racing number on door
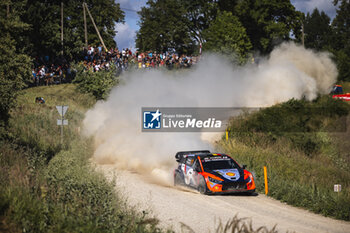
x,y
190,173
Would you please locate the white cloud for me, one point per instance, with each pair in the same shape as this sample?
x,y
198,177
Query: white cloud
x,y
322,5
132,4
126,33
125,36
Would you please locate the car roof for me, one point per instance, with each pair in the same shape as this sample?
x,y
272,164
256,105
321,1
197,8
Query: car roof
x,y
206,155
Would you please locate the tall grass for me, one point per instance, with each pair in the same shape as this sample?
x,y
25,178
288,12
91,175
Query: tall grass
x,y
50,187
234,225
297,175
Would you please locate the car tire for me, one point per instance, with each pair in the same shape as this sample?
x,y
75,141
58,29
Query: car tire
x,y
251,193
178,179
202,187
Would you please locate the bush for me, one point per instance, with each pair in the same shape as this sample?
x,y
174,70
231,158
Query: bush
x,y
99,83
49,187
297,121
296,143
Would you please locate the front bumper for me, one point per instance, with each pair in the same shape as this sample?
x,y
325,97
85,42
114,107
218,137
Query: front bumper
x,y
231,187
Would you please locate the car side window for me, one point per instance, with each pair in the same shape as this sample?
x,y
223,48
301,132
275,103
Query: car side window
x,y
189,161
196,165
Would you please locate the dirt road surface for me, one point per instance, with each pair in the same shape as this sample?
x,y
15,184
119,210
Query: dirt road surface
x,y
174,206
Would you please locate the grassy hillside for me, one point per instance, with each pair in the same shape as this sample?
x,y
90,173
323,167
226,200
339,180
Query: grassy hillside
x,y
46,186
304,159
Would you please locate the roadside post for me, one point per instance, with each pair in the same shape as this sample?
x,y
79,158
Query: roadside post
x,y
62,109
266,185
226,135
337,188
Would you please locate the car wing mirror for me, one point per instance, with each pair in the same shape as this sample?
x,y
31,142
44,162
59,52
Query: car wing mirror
x,y
244,166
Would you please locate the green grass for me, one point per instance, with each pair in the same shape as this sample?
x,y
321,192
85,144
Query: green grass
x,y
49,187
296,175
346,86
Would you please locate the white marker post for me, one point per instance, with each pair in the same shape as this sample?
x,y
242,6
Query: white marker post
x,y
62,109
337,188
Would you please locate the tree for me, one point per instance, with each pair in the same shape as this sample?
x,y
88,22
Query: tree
x,y
341,39
318,30
163,27
14,66
227,35
45,18
268,22
199,14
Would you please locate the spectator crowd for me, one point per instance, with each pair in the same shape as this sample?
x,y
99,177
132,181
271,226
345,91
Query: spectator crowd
x,y
96,59
47,71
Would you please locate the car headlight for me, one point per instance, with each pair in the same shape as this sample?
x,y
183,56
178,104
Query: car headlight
x,y
248,180
214,180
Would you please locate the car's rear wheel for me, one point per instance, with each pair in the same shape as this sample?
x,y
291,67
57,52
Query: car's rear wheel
x,y
178,179
202,187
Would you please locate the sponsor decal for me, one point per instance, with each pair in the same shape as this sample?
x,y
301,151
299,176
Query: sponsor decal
x,y
230,174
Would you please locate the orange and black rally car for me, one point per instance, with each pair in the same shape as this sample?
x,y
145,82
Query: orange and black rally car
x,y
212,173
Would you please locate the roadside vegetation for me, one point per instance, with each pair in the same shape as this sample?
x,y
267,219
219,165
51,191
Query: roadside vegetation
x,y
46,186
99,83
304,146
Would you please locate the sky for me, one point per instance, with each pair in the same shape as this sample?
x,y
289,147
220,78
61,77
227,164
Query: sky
x,y
126,32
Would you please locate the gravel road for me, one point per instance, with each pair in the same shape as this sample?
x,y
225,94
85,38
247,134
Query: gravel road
x,y
176,206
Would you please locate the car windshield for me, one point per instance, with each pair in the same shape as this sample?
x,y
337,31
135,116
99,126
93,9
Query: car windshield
x,y
218,163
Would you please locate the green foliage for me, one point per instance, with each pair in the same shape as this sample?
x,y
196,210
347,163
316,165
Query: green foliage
x,y
45,18
297,121
341,39
163,27
14,66
295,179
296,143
342,58
268,22
226,35
62,193
199,14
237,225
99,83
317,29
180,24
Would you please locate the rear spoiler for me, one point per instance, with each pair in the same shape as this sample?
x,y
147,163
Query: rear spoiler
x,y
181,155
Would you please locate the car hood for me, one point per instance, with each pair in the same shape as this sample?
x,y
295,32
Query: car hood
x,y
228,174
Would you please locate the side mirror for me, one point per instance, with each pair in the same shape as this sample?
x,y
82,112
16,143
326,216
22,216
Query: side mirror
x,y
198,169
244,166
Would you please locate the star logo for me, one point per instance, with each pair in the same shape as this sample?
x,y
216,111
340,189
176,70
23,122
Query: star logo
x,y
156,115
152,119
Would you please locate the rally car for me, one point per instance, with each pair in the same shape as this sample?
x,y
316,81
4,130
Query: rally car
x,y
212,173
337,93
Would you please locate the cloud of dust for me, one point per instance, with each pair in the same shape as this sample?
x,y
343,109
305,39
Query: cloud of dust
x,y
290,72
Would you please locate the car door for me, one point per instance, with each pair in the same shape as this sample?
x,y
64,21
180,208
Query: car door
x,y
196,176
188,171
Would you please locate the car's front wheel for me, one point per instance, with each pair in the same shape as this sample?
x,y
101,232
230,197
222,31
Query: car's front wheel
x,y
202,187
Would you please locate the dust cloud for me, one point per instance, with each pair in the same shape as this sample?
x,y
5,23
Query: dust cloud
x,y
289,72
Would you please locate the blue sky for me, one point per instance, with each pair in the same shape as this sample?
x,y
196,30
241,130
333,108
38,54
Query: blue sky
x,y
126,32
